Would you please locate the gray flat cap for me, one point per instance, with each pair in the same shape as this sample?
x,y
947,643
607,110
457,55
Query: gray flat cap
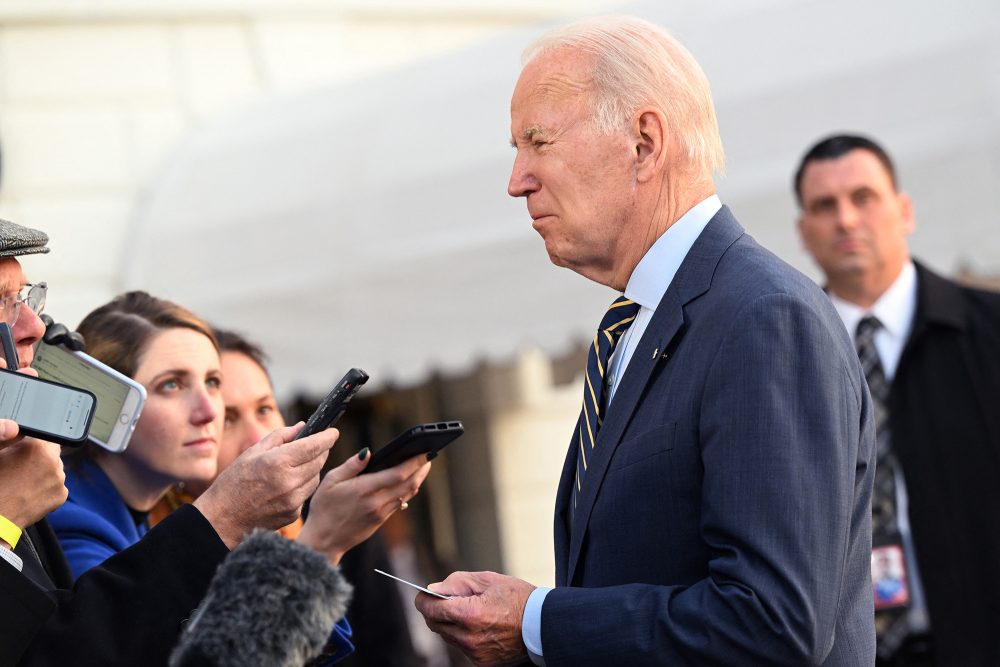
x,y
16,240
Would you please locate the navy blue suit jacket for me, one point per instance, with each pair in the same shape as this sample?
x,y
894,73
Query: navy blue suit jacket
x,y
726,514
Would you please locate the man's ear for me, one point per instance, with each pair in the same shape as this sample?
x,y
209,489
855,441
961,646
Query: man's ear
x,y
906,212
650,137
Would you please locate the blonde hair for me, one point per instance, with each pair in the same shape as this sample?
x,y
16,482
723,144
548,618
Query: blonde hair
x,y
637,63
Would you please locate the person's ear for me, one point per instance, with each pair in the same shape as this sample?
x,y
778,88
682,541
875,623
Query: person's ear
x,y
906,213
650,137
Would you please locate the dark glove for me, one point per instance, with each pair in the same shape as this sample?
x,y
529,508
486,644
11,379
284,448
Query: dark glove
x,y
59,334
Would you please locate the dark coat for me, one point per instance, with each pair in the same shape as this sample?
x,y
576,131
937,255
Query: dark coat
x,y
944,412
726,515
127,611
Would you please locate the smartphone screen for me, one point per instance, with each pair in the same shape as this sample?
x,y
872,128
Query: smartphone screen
x,y
45,407
119,398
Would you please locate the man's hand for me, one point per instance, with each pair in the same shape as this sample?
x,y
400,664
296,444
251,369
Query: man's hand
x,y
32,481
348,507
266,485
483,618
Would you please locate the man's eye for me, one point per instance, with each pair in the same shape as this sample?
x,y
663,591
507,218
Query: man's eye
x,y
824,206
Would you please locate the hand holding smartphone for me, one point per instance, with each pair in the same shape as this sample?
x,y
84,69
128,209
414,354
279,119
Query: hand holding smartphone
x,y
422,439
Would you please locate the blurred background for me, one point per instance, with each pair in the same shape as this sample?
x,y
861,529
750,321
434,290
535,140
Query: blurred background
x,y
329,179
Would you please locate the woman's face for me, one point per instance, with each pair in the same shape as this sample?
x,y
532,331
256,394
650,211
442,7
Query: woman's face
x,y
177,437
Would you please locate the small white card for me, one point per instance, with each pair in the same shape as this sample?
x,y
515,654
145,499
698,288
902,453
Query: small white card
x,y
410,583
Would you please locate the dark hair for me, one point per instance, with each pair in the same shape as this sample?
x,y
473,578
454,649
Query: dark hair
x,y
837,146
231,341
119,332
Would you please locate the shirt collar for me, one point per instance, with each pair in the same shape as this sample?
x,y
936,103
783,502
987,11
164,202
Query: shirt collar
x,y
894,309
657,268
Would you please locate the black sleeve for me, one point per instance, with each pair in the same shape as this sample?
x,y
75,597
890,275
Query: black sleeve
x,y
127,611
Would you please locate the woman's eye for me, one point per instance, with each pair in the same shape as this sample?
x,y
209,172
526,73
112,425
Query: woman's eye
x,y
169,385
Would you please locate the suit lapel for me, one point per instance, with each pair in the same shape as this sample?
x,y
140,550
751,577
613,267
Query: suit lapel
x,y
694,277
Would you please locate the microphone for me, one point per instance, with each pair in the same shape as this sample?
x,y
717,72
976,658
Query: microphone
x,y
271,602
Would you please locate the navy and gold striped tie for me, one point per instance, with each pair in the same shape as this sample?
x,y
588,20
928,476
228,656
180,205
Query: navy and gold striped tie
x,y
616,321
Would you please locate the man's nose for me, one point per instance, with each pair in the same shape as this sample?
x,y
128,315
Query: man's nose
x,y
522,182
848,216
27,330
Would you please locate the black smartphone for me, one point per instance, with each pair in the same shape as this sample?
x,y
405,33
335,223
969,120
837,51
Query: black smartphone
x,y
333,406
9,348
47,410
422,439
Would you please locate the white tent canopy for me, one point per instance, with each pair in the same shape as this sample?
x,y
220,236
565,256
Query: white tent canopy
x,y
368,225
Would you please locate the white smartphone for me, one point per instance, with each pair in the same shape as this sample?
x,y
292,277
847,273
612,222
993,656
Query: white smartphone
x,y
46,410
119,397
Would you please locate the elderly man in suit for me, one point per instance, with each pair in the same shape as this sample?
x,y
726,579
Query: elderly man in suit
x,y
714,506
931,352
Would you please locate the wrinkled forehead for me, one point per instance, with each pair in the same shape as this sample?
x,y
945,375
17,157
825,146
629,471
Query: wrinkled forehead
x,y
554,76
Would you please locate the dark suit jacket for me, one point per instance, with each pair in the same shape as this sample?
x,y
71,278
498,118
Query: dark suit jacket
x,y
127,611
725,517
944,412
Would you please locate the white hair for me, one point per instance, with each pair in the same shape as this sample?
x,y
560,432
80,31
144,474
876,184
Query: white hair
x,y
638,63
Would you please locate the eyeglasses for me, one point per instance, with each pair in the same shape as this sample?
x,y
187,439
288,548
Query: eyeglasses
x,y
31,295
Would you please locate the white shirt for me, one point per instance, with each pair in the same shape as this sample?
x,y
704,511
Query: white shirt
x,y
646,286
894,309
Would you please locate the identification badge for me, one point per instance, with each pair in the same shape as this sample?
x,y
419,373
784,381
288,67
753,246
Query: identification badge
x,y
889,579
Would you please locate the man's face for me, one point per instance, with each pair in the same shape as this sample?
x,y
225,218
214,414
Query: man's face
x,y
251,411
28,328
853,222
579,185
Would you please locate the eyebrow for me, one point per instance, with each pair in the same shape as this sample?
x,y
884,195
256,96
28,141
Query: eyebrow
x,y
528,134
168,373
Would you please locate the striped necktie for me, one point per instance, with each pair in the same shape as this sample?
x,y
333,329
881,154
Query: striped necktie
x,y
892,623
616,321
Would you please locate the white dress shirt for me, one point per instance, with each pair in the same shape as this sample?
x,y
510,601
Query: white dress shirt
x,y
646,286
894,309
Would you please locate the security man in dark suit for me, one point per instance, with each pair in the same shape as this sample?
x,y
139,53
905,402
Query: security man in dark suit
x,y
930,349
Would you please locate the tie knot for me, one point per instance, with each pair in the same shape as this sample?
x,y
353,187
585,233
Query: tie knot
x,y
619,316
867,327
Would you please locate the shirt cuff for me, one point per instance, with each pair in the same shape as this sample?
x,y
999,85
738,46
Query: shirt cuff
x,y
531,625
12,558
